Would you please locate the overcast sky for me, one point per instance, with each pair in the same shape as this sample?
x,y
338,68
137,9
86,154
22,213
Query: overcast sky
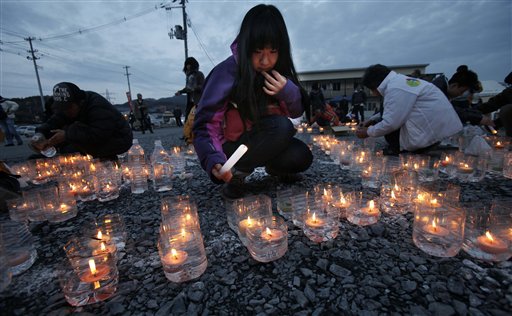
x,y
324,35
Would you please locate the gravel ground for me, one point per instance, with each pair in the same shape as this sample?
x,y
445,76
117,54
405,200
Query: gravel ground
x,y
374,270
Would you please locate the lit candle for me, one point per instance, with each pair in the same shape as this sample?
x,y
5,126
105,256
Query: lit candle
x,y
314,222
239,152
465,168
499,145
371,210
95,272
446,161
309,130
246,224
491,244
434,203
184,236
63,208
433,229
175,257
300,129
272,234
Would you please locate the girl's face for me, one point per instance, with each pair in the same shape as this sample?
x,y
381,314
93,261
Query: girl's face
x,y
264,59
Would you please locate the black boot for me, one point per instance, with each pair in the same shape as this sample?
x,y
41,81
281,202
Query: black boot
x,y
234,189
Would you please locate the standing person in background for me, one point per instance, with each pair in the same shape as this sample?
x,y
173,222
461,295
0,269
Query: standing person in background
x,y
142,109
317,101
177,116
247,100
7,121
416,113
194,86
358,102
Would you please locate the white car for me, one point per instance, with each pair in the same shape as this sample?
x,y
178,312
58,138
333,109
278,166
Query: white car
x,y
21,129
30,131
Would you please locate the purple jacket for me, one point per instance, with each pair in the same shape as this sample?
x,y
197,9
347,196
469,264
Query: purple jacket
x,y
209,117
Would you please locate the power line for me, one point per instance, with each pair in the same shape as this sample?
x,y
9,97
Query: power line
x,y
201,44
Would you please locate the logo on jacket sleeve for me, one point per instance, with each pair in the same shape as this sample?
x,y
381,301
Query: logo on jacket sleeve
x,y
412,82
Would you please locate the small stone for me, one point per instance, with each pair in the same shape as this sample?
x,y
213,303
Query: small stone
x,y
300,298
322,264
309,293
338,270
306,272
115,308
265,291
460,307
296,281
409,286
455,286
152,304
441,309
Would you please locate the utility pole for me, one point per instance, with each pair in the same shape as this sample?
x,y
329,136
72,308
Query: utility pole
x,y
34,58
180,32
128,78
185,27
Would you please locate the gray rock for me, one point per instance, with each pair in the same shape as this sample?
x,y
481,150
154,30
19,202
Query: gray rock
x,y
322,264
115,308
300,298
409,286
152,304
441,309
309,293
339,271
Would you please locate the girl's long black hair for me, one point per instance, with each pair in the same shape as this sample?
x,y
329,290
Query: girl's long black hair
x,y
262,25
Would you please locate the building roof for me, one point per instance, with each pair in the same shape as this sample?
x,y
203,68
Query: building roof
x,y
359,69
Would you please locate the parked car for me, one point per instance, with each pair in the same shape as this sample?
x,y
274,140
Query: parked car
x,y
30,131
21,129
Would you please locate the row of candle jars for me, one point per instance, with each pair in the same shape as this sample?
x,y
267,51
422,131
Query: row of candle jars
x,y
442,227
89,272
47,203
180,242
264,235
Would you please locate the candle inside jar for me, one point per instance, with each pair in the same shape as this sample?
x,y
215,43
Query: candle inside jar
x,y
175,257
491,244
436,230
63,208
183,236
499,145
371,210
465,168
95,273
446,161
313,221
271,234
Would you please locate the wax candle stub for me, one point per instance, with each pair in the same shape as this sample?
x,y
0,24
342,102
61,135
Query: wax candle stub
x,y
491,244
239,152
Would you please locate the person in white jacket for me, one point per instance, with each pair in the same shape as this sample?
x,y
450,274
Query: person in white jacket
x,y
416,114
7,123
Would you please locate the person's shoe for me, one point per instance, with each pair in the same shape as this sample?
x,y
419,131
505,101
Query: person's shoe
x,y
290,178
284,177
234,189
390,152
9,145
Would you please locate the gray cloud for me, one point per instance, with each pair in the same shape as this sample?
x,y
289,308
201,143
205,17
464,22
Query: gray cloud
x,y
324,35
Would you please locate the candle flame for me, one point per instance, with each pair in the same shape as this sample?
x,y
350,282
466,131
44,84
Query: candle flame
x,y
371,205
313,217
397,188
489,236
393,194
174,253
498,143
92,266
100,235
268,231
447,159
249,221
107,221
433,202
188,217
102,247
183,233
62,206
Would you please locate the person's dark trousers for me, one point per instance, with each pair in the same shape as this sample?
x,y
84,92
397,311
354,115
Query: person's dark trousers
x,y
393,140
272,145
358,110
190,104
178,121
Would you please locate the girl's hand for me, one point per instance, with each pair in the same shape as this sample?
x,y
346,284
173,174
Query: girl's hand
x,y
273,83
226,176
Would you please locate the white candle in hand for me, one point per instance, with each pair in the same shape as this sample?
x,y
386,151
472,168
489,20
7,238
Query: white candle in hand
x,y
239,152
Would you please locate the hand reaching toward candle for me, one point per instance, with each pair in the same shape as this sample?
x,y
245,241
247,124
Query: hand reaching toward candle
x,y
226,176
57,138
362,132
273,83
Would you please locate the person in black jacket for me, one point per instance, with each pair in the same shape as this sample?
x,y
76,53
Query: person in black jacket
x,y
85,122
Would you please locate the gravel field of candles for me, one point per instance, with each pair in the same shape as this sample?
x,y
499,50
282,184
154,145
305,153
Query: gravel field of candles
x,y
370,270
